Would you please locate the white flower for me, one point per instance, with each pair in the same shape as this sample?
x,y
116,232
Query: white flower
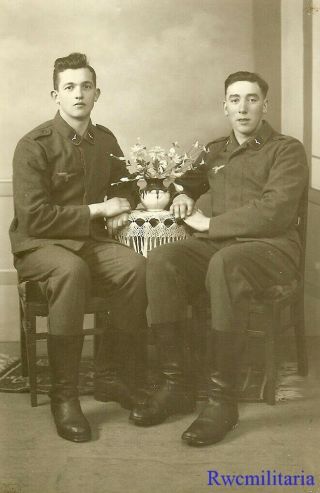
x,y
177,159
137,148
172,152
157,152
152,173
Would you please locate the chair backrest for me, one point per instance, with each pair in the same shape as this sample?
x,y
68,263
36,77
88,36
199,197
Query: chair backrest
x,y
302,227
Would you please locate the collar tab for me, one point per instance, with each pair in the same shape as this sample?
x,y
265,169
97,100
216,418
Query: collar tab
x,y
75,138
256,142
89,135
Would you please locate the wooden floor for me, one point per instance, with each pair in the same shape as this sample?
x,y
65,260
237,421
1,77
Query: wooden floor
x,y
123,458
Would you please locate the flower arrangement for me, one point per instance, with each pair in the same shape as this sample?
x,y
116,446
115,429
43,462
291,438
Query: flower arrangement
x,y
156,163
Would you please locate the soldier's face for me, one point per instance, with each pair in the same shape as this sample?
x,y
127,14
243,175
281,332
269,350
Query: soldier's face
x,y
244,106
76,93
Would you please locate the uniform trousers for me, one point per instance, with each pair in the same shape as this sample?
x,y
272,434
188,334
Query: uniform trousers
x,y
230,272
66,278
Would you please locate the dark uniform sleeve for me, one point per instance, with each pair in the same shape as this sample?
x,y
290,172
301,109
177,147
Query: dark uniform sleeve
x,y
277,208
195,182
32,196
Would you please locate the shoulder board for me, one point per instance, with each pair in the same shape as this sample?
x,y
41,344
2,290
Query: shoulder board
x,y
217,141
105,129
278,136
41,131
285,138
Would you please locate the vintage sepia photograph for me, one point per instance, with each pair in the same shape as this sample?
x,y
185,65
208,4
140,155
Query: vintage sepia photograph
x,y
160,246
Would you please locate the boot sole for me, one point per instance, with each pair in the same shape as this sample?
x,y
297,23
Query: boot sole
x,y
76,439
193,442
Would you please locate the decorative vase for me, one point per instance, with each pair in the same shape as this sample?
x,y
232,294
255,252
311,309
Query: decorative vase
x,y
155,196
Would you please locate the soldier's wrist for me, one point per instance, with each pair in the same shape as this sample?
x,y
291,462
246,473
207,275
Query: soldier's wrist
x,y
177,194
96,210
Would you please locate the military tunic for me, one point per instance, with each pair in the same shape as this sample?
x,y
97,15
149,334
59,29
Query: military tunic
x,y
252,191
55,174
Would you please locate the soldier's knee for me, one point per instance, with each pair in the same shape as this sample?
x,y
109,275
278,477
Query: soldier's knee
x,y
223,264
163,257
73,270
138,263
137,268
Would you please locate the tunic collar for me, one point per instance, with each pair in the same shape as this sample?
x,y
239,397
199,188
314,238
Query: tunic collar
x,y
69,133
256,141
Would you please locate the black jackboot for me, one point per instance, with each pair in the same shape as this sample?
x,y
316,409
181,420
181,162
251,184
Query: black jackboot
x,y
173,397
64,353
114,351
221,413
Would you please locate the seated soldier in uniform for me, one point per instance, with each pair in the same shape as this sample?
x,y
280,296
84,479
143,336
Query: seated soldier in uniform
x,y
63,199
244,241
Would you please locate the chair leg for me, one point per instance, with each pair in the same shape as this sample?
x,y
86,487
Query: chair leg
x,y
32,357
23,344
140,355
100,324
271,354
302,358
198,343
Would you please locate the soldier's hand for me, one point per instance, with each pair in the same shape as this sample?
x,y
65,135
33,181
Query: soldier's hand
x,y
116,222
198,221
182,206
116,206
109,208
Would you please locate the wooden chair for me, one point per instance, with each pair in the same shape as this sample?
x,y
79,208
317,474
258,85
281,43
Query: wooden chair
x,y
33,304
267,319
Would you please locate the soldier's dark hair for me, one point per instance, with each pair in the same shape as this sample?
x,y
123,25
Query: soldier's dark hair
x,y
247,76
74,60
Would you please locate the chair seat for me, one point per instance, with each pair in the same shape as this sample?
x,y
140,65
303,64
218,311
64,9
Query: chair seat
x,y
30,292
278,291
